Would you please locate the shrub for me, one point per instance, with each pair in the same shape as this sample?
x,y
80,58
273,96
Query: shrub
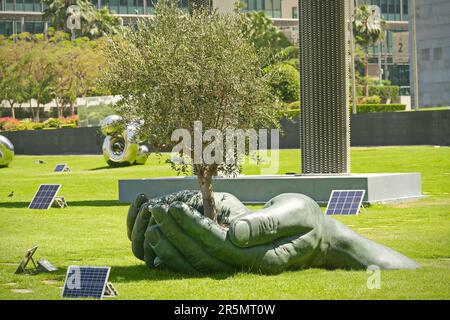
x,y
25,125
72,120
8,123
384,92
68,125
368,108
38,126
52,123
370,100
285,81
293,113
294,105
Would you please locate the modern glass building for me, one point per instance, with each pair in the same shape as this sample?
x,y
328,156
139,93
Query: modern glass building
x,y
396,15
18,16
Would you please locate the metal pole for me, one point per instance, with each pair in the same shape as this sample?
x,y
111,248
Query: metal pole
x,y
380,67
352,53
414,56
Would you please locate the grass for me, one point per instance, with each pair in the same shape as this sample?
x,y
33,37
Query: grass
x,y
92,232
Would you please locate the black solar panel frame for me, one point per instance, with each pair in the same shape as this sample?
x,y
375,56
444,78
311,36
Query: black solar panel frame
x,y
105,281
351,205
52,199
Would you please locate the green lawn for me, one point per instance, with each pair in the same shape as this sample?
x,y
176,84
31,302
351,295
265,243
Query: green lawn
x,y
92,232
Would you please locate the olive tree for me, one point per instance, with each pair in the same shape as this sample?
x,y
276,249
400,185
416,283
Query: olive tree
x,y
177,68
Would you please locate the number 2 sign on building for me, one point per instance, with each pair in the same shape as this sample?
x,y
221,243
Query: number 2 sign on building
x,y
400,47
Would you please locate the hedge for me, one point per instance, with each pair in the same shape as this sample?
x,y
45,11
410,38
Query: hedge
x,y
384,92
25,113
360,108
368,108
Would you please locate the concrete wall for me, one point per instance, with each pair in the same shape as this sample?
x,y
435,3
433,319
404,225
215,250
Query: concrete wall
x,y
433,52
387,129
225,6
53,142
401,128
368,129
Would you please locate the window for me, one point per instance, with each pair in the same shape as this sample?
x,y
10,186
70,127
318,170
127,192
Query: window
x,y
405,10
9,5
294,12
271,7
437,53
399,75
426,54
6,27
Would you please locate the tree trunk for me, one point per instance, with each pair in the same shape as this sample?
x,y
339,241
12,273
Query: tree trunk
x,y
13,111
209,206
366,72
72,109
37,113
59,108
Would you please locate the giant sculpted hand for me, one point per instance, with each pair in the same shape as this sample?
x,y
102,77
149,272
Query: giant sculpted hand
x,y
289,233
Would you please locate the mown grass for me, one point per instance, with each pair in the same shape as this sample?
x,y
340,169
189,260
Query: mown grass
x,y
92,232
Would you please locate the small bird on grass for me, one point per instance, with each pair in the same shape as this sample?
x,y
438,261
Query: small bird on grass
x,y
11,194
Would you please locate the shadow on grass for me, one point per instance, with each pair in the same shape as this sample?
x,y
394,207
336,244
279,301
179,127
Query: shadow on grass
x,y
142,272
101,168
85,203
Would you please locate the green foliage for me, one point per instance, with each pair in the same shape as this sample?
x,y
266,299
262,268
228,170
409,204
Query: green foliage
x,y
367,108
52,123
180,68
94,23
285,81
370,100
368,29
264,36
68,126
384,92
10,124
38,126
34,68
292,113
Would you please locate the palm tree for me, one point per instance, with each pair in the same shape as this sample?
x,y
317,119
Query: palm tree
x,y
368,29
94,23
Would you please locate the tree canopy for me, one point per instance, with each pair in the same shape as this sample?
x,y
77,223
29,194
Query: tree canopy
x,y
178,68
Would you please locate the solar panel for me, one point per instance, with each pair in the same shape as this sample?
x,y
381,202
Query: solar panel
x,y
85,282
26,259
61,168
345,202
45,196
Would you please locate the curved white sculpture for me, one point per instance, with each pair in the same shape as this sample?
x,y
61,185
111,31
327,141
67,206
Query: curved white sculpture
x,y
121,146
6,151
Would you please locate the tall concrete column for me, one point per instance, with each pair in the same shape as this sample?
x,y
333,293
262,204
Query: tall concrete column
x,y
324,77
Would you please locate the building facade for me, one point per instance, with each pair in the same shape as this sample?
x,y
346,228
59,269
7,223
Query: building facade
x,y
18,16
433,52
389,60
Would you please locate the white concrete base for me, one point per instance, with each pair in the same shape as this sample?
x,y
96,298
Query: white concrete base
x,y
380,187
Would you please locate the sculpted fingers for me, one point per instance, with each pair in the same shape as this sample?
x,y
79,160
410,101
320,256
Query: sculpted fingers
x,y
133,212
192,250
165,253
284,216
138,234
